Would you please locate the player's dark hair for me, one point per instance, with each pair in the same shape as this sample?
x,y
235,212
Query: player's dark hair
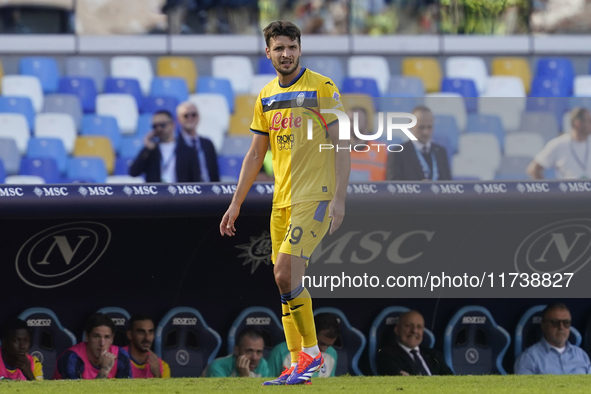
x,y
250,333
327,322
164,112
551,307
138,317
282,28
97,320
10,328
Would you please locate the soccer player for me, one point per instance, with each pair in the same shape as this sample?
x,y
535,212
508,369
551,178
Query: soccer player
x,y
144,362
97,357
15,363
310,184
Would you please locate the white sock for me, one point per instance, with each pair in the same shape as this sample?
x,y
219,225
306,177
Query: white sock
x,y
311,351
294,364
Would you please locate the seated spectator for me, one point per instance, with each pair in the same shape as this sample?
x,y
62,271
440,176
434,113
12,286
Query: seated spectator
x,y
246,361
327,332
553,354
568,153
375,159
97,357
406,356
144,362
15,363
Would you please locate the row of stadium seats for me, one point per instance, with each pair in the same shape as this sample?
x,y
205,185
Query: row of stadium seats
x,y
472,327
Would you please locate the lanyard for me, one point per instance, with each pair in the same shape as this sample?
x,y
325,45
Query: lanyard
x,y
425,166
165,164
582,164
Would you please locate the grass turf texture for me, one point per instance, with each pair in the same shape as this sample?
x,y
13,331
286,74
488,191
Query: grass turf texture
x,y
411,384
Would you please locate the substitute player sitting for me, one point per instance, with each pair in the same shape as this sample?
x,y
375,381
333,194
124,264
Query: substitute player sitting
x,y
310,184
144,362
15,362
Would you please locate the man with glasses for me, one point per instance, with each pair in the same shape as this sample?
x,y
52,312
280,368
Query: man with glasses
x,y
553,354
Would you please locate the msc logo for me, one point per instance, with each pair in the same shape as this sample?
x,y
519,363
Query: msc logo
x,y
362,189
493,188
258,321
447,189
576,187
51,191
11,192
563,246
223,189
184,321
39,322
538,187
60,254
95,191
474,320
262,189
189,189
405,188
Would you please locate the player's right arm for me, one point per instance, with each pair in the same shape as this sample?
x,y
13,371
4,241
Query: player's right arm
x,y
251,166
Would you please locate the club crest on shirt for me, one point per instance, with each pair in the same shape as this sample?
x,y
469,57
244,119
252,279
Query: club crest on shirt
x,y
300,99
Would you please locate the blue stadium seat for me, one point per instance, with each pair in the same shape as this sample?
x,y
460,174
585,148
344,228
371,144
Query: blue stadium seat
x,y
10,156
405,86
513,168
349,345
331,66
45,168
170,87
120,318
131,146
480,123
144,123
2,172
83,87
556,105
189,347
529,330
465,87
360,85
154,104
446,133
86,170
84,66
48,342
229,167
19,105
474,344
122,165
549,87
217,85
44,68
125,86
579,102
398,103
263,320
265,66
48,148
102,125
382,332
557,67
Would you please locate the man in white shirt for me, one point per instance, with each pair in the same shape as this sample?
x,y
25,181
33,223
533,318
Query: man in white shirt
x,y
568,153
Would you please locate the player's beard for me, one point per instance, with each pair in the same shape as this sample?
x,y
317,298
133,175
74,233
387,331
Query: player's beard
x,y
281,71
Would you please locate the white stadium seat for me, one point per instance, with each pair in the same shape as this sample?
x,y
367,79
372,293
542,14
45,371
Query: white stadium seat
x,y
214,116
508,108
15,126
523,144
26,86
237,69
122,107
375,67
503,86
259,81
467,67
124,179
468,166
138,67
481,146
448,104
24,180
582,85
54,125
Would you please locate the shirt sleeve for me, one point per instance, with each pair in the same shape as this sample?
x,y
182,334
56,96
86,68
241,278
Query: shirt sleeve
x,y
123,365
165,370
547,156
336,360
216,370
275,359
329,98
70,366
37,369
524,365
259,122
263,368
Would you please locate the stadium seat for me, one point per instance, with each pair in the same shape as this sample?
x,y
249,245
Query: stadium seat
x,y
181,67
155,104
375,67
509,109
138,67
382,332
48,148
64,104
229,167
513,168
93,146
504,87
125,86
15,126
24,180
446,133
582,85
242,117
56,126
24,86
216,86
144,123
47,342
2,172
91,67
265,321
405,86
474,344
556,67
83,87
121,106
266,66
555,105
579,102
330,66
352,101
357,86
470,167
44,68
399,104
542,123
120,318
523,144
170,87
513,67
468,67
214,116
483,146
259,81
480,123
236,69
452,105
349,345
236,146
1,75
122,165
529,330
101,125
86,169
124,179
187,348
131,146
549,87
426,68
19,105
465,88
45,168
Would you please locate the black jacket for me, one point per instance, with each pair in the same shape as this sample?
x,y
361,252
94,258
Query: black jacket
x,y
392,359
405,165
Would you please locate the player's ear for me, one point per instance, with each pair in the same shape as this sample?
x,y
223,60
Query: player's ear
x,y
128,332
236,351
268,52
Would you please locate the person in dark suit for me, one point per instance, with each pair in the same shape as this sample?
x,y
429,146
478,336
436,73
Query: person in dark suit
x,y
422,159
406,356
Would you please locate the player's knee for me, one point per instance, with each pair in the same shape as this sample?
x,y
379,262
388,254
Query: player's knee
x,y
283,280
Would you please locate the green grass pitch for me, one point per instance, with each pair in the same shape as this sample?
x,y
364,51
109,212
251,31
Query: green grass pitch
x,y
374,385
